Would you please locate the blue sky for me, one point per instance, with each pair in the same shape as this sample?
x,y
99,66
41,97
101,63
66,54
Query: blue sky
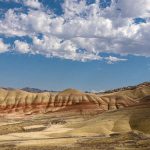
x,y
88,45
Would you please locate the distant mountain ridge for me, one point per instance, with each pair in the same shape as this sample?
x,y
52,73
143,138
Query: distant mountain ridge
x,y
127,88
36,90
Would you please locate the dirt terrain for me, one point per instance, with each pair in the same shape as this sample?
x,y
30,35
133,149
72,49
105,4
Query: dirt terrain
x,y
78,122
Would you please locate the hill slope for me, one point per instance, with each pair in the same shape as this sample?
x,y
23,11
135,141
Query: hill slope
x,y
23,102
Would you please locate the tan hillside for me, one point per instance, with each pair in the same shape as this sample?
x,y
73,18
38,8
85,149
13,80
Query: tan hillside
x,y
71,91
22,102
136,118
76,122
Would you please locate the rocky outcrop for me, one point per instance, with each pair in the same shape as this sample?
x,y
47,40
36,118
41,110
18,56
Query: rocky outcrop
x,y
23,102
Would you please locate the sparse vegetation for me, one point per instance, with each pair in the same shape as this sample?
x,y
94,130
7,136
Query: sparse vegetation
x,y
57,121
11,128
124,141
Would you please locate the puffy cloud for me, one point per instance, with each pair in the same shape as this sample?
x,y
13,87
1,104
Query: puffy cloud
x,y
83,32
24,24
138,8
111,59
32,3
55,47
29,3
22,47
3,47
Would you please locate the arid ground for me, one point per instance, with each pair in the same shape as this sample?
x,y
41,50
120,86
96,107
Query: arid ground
x,y
74,127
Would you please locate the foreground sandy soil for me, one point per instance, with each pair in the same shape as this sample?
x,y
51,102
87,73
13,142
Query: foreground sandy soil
x,y
127,128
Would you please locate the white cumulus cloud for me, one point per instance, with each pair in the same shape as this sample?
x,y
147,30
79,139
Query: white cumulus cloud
x,y
21,47
3,47
111,59
83,31
32,3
